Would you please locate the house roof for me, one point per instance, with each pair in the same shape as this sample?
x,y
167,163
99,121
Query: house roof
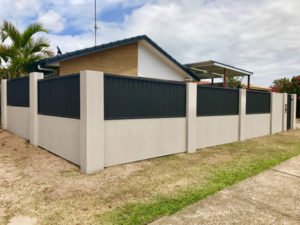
x,y
209,69
110,45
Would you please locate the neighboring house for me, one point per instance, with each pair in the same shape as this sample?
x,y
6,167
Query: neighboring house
x,y
259,88
138,56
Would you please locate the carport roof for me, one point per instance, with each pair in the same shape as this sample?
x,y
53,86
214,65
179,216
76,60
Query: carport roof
x,y
213,69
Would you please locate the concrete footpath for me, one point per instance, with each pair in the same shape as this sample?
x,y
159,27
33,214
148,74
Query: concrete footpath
x,y
271,197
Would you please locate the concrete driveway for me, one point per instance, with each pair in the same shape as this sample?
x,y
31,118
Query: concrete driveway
x,y
271,197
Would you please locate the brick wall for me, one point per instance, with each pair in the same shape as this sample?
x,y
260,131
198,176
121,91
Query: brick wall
x,y
121,60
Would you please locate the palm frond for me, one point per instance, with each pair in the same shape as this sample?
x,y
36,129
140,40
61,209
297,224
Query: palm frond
x,y
8,30
39,44
5,52
31,30
20,55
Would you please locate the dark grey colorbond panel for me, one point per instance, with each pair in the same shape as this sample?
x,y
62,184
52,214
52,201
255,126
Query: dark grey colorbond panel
x,y
18,92
215,101
258,102
135,98
60,96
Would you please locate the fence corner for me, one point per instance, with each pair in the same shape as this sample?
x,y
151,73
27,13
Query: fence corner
x,y
91,121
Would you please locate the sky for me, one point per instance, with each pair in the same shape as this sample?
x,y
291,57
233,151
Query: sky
x,y
262,36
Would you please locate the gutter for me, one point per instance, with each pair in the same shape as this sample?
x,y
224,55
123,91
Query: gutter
x,y
45,69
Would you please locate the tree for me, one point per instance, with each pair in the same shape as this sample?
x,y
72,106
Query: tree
x,y
3,73
234,82
283,84
290,86
295,85
19,50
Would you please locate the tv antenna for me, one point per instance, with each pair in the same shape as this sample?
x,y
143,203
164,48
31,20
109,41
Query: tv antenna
x,y
95,25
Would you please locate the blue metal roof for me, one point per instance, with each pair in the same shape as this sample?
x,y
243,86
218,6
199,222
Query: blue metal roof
x,y
110,45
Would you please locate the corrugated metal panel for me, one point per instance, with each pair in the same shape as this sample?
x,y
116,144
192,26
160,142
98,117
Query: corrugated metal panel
x,y
134,98
258,102
60,96
215,101
18,92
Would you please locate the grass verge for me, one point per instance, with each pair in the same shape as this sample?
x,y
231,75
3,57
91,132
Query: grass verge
x,y
257,158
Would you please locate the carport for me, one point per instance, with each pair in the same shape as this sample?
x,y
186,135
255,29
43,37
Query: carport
x,y
212,69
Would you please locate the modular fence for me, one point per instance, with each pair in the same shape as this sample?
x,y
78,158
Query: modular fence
x,y
96,120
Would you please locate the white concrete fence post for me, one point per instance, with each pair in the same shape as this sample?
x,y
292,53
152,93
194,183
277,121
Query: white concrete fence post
x,y
91,121
33,106
191,117
284,112
4,103
272,111
293,111
242,114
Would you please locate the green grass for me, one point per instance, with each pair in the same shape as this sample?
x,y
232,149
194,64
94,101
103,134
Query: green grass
x,y
248,159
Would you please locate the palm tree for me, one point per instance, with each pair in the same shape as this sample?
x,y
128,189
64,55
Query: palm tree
x,y
19,50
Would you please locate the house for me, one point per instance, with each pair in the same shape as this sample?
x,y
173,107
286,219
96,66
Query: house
x,y
137,56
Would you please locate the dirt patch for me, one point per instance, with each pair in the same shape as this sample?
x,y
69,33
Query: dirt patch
x,y
24,220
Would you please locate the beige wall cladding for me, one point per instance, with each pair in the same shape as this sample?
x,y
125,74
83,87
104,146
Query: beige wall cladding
x,y
257,125
18,120
217,130
121,60
60,136
138,139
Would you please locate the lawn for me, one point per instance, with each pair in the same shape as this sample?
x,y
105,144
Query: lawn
x,y
39,185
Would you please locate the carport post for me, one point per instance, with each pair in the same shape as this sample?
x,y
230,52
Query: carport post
x,y
91,121
225,78
191,117
248,82
33,107
242,114
4,103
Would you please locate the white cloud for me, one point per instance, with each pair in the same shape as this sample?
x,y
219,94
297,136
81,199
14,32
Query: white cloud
x,y
259,35
52,21
69,43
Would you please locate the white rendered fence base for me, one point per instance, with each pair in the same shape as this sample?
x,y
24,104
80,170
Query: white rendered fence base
x,y
138,139
60,136
216,130
18,120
